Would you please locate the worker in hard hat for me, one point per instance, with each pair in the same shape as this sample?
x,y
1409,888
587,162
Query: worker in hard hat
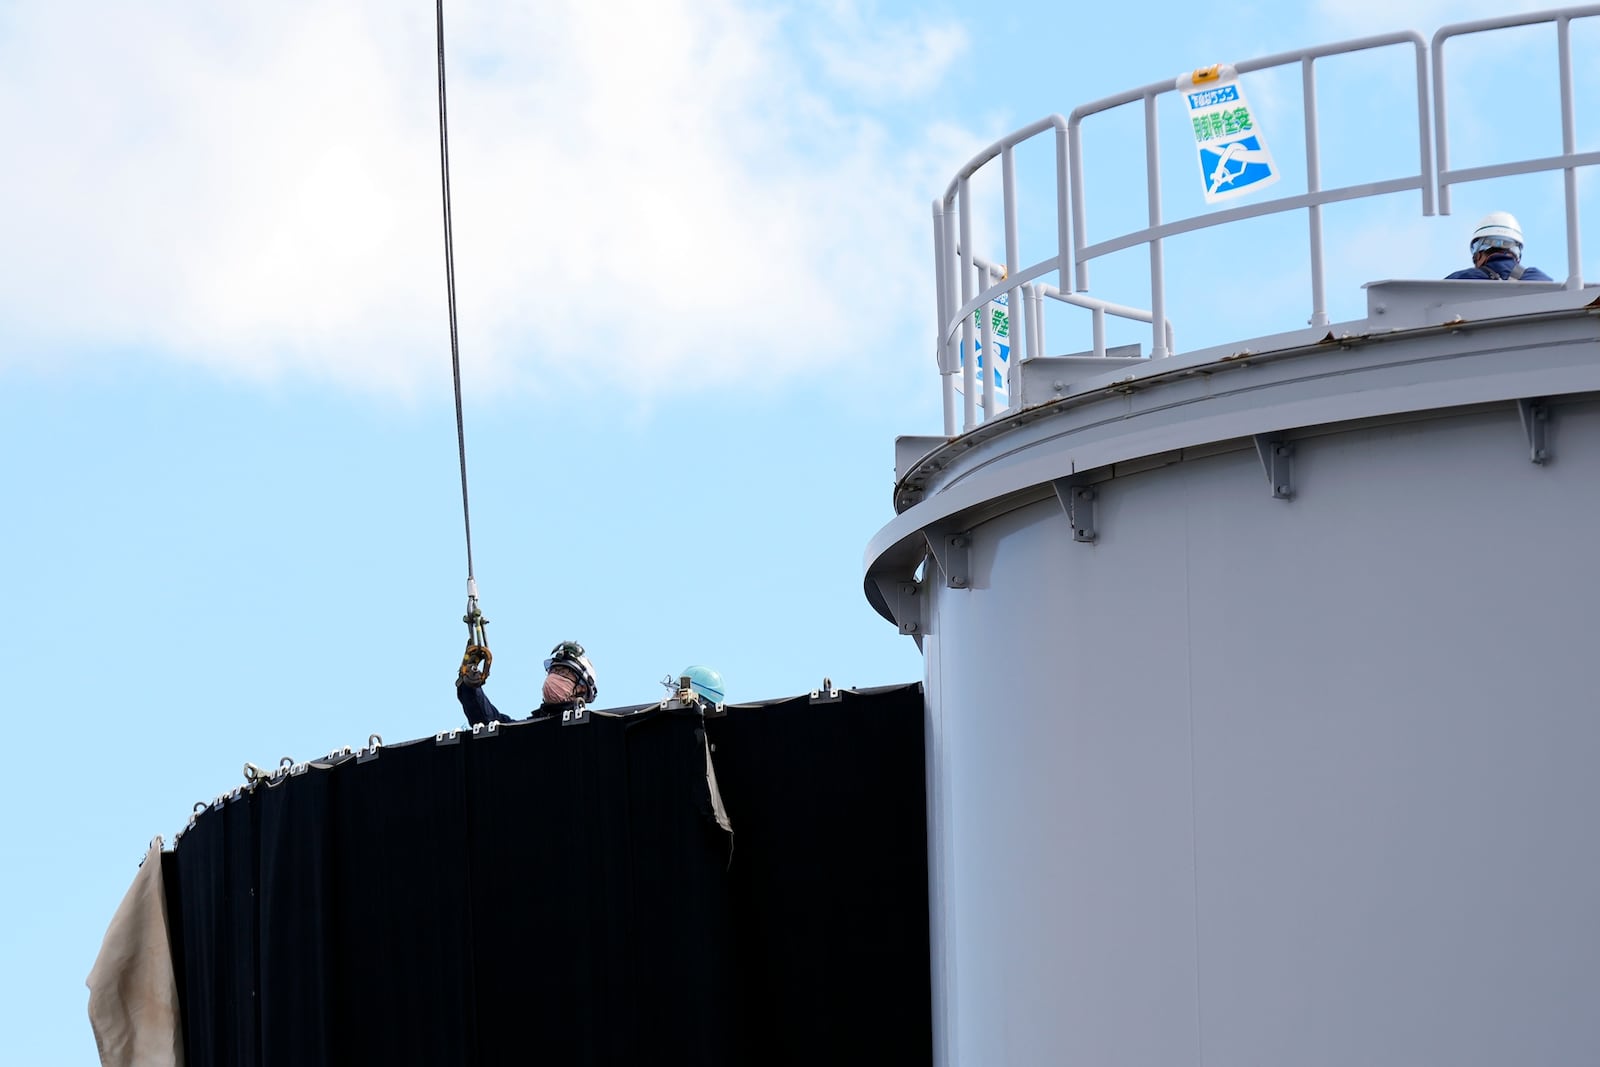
x,y
706,682
1496,247
568,684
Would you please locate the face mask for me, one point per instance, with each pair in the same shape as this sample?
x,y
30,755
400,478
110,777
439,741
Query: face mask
x,y
559,688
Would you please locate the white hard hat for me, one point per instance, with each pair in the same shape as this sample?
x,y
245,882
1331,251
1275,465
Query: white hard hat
x,y
1497,229
570,654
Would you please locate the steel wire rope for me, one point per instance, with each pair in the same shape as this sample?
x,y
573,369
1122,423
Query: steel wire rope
x,y
450,287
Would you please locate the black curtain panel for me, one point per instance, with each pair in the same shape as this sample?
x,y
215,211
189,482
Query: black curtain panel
x,y
567,894
829,881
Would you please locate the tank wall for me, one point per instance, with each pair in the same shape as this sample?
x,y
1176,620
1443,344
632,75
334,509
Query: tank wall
x,y
1305,782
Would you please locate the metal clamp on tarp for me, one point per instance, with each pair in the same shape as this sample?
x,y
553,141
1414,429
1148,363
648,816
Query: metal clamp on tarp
x,y
680,694
828,693
577,716
374,743
279,775
450,737
484,730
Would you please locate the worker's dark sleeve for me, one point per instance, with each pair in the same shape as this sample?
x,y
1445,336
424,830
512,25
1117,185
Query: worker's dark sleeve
x,y
476,704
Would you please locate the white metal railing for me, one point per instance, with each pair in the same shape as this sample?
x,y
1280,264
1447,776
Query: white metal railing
x,y
1570,158
1311,201
955,269
965,282
1037,292
1028,338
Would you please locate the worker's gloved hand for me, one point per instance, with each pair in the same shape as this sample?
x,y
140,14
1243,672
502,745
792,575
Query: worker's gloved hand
x,y
475,663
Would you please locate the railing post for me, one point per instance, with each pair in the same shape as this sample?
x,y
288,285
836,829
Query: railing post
x,y
1319,296
941,332
1035,304
969,399
1079,281
1063,212
1158,264
1430,179
985,360
1019,333
1441,125
1569,145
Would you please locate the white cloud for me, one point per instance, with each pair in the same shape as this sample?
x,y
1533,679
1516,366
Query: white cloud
x,y
643,192
901,58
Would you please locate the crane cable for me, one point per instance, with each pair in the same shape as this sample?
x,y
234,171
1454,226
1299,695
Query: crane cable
x,y
476,660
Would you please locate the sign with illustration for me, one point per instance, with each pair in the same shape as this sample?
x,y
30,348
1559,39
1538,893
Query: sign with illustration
x,y
1234,159
999,356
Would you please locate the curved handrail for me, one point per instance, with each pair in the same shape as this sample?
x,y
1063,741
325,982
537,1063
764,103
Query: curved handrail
x,y
965,282
1570,158
1312,201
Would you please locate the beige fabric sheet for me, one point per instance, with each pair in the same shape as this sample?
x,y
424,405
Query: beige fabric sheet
x,y
133,994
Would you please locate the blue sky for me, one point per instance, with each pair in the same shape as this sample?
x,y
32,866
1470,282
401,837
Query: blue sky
x,y
694,274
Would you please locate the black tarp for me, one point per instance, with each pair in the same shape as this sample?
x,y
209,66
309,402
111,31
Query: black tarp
x,y
558,894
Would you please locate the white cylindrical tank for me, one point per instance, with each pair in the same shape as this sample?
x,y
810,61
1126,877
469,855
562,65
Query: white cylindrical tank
x,y
1261,702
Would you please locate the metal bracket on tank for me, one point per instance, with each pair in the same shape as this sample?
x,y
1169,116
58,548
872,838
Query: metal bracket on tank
x,y
951,551
1535,422
905,599
1078,502
1277,455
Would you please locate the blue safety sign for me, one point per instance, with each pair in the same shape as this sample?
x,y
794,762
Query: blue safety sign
x,y
1236,165
1234,159
995,365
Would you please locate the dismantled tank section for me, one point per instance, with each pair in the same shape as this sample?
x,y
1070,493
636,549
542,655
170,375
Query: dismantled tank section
x,y
1259,680
572,893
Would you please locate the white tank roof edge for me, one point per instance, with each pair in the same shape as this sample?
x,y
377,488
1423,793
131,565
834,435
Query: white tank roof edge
x,y
1418,352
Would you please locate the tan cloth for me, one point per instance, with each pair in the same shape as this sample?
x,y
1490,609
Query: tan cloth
x,y
719,812
133,994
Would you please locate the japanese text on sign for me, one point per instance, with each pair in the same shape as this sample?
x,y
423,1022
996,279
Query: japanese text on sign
x,y
1233,156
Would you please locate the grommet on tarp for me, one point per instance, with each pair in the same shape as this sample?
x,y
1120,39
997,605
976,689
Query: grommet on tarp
x,y
374,743
453,737
281,773
827,693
